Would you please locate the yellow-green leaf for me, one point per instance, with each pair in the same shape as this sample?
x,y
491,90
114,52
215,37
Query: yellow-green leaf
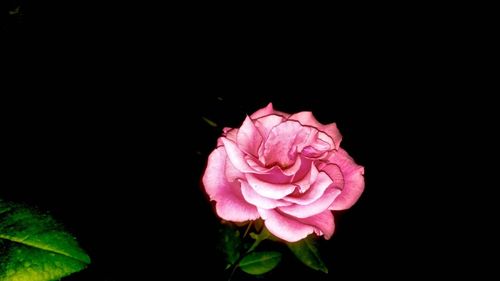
x,y
34,247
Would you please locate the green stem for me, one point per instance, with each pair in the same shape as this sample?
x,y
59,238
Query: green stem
x,y
254,245
263,235
233,271
248,229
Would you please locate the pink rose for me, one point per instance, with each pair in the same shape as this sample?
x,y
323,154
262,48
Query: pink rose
x,y
287,169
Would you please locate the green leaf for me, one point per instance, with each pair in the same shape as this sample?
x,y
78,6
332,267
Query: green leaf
x,y
230,244
209,122
34,247
257,263
307,252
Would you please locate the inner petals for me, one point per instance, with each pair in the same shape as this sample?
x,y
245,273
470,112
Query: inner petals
x,y
274,175
236,156
305,183
307,118
266,123
317,189
284,142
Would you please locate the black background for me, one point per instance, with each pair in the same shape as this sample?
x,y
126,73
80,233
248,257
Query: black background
x,y
103,128
125,179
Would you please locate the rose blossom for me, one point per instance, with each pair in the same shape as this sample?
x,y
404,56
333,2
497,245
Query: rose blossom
x,y
287,169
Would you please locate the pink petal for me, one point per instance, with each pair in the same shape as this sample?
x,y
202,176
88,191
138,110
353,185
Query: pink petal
x,y
354,181
317,189
305,182
213,178
289,175
254,198
263,111
228,133
230,204
236,156
269,190
273,175
249,138
330,142
258,168
335,174
323,223
284,114
307,118
233,174
304,169
314,208
292,170
244,163
317,149
267,123
284,227
284,142
232,207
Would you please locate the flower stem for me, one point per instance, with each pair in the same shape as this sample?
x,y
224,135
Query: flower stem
x,y
232,272
263,235
248,229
